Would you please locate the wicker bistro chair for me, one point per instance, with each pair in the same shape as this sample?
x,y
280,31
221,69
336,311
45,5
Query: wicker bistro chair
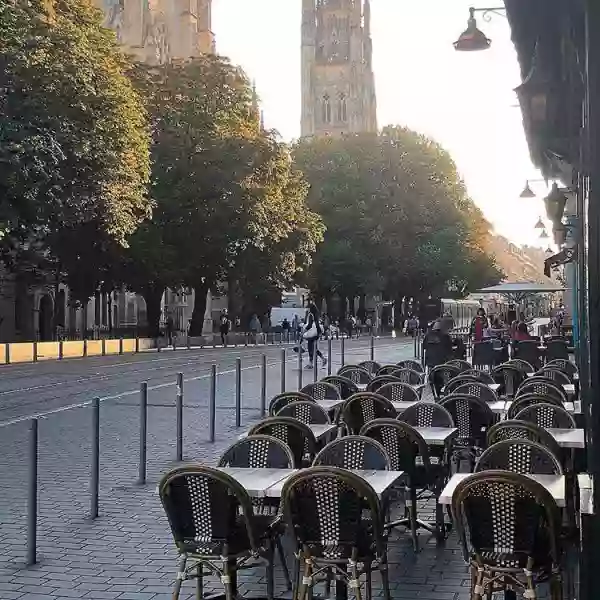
x,y
479,375
481,390
555,374
215,529
547,415
543,387
510,377
521,364
357,375
463,365
473,417
484,355
379,381
457,381
370,366
526,400
520,456
399,392
326,508
387,370
307,412
409,452
508,525
363,407
522,430
528,350
294,433
322,390
557,349
354,452
409,376
281,400
345,386
440,376
411,364
562,364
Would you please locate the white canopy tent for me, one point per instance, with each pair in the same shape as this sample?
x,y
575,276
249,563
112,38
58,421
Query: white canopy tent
x,y
518,291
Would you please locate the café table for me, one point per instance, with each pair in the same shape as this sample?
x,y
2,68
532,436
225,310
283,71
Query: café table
x,y
568,438
555,484
328,405
437,436
320,430
586,493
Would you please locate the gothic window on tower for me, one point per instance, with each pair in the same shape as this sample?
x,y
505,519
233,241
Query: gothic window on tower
x,y
326,112
342,109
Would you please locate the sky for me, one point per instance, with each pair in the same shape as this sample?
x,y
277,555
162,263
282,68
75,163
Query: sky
x,y
465,101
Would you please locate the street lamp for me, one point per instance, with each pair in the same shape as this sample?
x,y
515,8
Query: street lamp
x,y
540,224
527,191
473,39
544,234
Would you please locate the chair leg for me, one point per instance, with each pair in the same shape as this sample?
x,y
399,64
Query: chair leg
x,y
180,576
355,581
199,582
271,572
368,583
385,579
286,571
306,576
413,518
296,584
228,577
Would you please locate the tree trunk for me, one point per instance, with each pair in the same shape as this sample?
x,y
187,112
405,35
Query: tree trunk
x,y
197,324
153,296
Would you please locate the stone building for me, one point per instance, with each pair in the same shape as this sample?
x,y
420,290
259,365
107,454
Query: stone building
x,y
338,86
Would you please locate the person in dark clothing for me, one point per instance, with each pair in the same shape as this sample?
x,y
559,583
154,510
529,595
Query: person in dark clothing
x,y
224,328
437,344
312,332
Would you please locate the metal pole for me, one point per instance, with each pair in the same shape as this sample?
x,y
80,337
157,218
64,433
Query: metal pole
x,y
61,350
212,402
283,365
238,392
95,474
121,345
299,366
35,351
103,344
372,347
32,494
7,354
329,356
316,362
263,386
416,345
343,353
137,345
179,401
85,349
143,432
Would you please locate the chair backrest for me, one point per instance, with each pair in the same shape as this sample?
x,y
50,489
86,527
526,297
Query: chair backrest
x,y
346,387
297,435
354,452
483,354
476,388
370,365
379,381
557,375
463,365
472,416
440,376
547,415
519,456
459,380
522,430
356,374
479,375
408,376
258,452
526,400
402,442
411,364
204,506
322,390
563,364
543,387
426,414
307,412
557,349
398,392
364,407
324,506
526,523
521,364
529,351
387,370
435,353
510,377
281,400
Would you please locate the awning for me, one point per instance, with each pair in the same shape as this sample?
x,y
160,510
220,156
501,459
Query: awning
x,y
565,256
518,292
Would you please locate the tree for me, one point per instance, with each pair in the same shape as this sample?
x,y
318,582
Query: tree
x,y
74,144
223,188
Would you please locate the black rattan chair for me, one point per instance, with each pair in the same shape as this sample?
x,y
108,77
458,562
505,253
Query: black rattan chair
x,y
398,392
479,375
556,374
522,365
557,349
322,390
307,412
526,400
563,364
484,355
281,400
543,387
370,365
297,435
357,375
345,386
529,351
387,370
520,456
411,364
458,381
380,381
463,365
364,407
508,525
214,527
475,388
426,414
440,376
510,377
547,415
325,507
355,452
522,430
409,376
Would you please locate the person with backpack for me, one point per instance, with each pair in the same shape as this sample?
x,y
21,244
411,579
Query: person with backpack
x,y
312,332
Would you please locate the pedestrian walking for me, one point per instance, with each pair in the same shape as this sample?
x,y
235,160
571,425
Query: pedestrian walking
x,y
255,328
224,328
170,325
312,332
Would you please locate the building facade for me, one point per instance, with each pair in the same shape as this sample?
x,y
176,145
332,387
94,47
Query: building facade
x,y
338,86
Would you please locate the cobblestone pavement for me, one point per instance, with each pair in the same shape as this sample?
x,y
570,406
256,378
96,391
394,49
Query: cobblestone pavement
x,y
127,552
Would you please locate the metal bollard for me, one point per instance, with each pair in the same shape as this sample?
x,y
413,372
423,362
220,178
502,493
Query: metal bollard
x,y
372,347
179,403
343,352
283,365
61,350
212,407
316,362
299,367
158,348
188,342
143,432
103,342
32,496
137,345
120,346
35,351
95,473
416,346
263,386
85,350
7,354
329,356
238,392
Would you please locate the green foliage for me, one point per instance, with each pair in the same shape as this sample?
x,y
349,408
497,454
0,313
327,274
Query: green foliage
x,y
398,218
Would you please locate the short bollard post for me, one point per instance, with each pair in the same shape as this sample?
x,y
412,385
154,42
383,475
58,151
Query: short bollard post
x,y
7,354
158,348
212,406
121,346
85,349
188,342
372,347
95,473
238,392
61,350
416,345
263,386
137,345
329,356
179,401
35,351
32,494
143,432
343,352
283,365
316,361
103,347
299,367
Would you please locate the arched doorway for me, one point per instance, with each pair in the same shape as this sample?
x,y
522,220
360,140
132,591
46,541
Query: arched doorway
x,y
45,316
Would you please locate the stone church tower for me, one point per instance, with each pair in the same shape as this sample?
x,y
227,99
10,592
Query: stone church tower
x,y
338,86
